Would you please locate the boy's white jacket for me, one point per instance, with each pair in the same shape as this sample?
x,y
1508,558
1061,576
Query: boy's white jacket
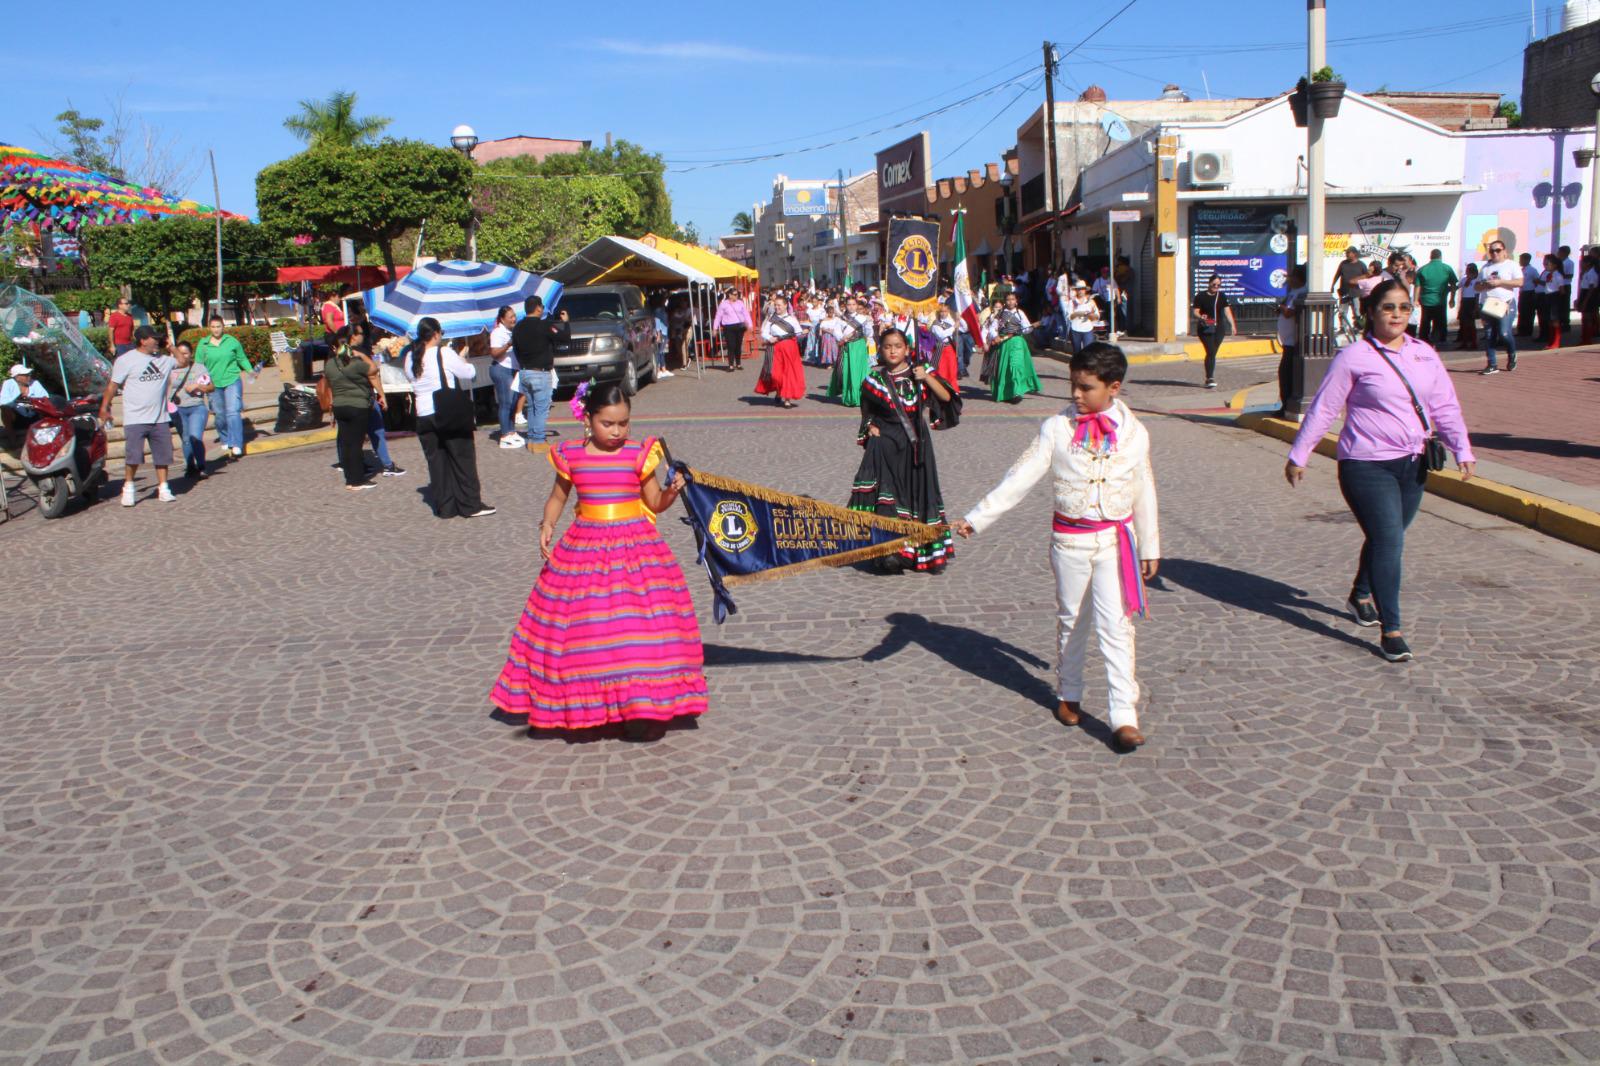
x,y
1107,488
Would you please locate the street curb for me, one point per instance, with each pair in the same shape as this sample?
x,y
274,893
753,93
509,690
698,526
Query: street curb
x,y
282,442
1552,517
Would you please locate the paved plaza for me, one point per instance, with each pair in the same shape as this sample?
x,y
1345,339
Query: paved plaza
x,y
255,808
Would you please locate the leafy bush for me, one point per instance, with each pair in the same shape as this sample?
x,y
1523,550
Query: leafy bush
x,y
257,340
100,337
1325,74
8,355
92,300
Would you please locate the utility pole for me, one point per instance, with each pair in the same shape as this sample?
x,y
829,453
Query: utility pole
x,y
844,233
216,195
1316,174
1052,189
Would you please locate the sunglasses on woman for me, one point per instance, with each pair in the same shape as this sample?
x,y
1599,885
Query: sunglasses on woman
x,y
1390,309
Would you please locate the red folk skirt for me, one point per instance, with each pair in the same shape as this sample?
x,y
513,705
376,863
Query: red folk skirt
x,y
784,374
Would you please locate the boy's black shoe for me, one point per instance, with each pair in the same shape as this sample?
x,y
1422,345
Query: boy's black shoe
x,y
1364,612
1396,650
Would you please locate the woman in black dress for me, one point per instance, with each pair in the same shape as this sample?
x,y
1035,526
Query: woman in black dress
x,y
898,477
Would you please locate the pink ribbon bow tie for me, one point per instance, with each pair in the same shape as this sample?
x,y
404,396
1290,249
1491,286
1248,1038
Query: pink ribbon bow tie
x,y
1097,430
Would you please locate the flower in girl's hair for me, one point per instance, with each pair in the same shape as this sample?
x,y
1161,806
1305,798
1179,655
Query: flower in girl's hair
x,y
577,399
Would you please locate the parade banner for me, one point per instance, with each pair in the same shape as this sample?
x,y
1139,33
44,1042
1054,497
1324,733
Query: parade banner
x,y
747,532
911,282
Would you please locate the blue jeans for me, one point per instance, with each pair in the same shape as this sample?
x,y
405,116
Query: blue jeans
x,y
1499,331
192,434
536,385
227,403
1384,496
964,349
378,436
505,395
1081,339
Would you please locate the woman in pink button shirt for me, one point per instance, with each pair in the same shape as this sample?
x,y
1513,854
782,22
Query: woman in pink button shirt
x,y
1380,448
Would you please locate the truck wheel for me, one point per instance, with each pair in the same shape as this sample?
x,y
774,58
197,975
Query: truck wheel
x,y
53,496
630,376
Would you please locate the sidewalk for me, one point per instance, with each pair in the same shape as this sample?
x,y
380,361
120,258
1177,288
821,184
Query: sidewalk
x,y
1535,434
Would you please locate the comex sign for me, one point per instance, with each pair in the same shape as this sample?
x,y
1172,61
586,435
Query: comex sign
x,y
902,172
898,173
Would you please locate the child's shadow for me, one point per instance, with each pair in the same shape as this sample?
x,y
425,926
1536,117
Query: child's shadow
x,y
983,656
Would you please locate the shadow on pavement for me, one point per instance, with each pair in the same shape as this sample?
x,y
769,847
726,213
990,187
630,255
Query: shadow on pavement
x,y
1511,442
970,651
1253,592
729,655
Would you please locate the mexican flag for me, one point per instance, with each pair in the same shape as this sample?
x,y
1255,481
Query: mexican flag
x,y
966,309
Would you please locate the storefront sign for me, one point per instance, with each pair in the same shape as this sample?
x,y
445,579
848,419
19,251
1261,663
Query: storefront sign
x,y
805,200
1246,246
903,175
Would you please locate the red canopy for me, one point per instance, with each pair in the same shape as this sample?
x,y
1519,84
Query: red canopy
x,y
364,277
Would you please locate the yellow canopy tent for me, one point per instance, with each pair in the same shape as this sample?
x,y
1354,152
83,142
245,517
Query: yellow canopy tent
x,y
702,260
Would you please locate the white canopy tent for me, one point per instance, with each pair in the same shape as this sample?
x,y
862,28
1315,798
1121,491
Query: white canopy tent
x,y
620,260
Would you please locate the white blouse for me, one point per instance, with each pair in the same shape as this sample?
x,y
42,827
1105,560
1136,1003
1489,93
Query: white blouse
x,y
423,385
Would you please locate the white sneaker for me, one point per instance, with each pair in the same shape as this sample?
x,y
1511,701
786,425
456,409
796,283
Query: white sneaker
x,y
238,453
164,494
511,440
520,420
129,496
665,374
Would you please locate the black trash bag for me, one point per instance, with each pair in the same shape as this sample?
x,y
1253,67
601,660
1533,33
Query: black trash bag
x,y
297,409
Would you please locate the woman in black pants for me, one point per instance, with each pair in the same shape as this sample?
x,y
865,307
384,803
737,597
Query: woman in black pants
x,y
352,378
450,451
1211,310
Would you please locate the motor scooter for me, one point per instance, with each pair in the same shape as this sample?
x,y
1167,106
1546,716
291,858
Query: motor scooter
x,y
64,453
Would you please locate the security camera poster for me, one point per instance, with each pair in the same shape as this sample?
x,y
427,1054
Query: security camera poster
x,y
1247,246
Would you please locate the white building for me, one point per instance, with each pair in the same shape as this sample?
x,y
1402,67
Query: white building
x,y
800,247
1394,182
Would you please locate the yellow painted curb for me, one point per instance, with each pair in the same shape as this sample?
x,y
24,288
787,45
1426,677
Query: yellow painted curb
x,y
1564,521
278,443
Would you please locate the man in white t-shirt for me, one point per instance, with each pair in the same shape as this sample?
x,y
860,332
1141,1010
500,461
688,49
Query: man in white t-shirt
x,y
1500,278
143,375
503,372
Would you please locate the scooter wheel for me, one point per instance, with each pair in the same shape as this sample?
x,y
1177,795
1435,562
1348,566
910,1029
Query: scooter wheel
x,y
53,496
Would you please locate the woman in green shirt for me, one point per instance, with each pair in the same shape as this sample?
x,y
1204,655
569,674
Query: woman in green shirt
x,y
352,378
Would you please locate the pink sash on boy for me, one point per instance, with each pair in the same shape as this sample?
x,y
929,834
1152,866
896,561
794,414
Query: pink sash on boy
x,y
1127,556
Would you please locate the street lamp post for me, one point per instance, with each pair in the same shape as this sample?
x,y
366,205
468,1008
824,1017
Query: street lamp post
x,y
464,139
1317,314
1594,184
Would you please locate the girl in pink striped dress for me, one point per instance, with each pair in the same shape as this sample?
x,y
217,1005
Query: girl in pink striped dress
x,y
609,633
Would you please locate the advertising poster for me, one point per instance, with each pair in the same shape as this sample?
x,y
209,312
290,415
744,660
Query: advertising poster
x,y
1247,246
805,200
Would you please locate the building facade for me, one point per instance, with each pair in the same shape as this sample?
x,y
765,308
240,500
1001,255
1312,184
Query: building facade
x,y
1556,72
798,248
539,148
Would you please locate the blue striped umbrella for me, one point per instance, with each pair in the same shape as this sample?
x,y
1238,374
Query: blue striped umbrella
x,y
464,296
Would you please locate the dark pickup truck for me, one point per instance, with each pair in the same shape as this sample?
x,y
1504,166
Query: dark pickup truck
x,y
613,337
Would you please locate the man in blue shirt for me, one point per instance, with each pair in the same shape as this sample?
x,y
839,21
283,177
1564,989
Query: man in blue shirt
x,y
19,386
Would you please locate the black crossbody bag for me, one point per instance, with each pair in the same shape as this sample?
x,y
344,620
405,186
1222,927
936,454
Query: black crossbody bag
x,y
1434,455
452,406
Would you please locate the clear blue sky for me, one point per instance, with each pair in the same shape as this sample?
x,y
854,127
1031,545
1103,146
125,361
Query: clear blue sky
x,y
708,81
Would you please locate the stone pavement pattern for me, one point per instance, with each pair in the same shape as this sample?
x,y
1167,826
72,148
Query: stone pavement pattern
x,y
1540,418
254,808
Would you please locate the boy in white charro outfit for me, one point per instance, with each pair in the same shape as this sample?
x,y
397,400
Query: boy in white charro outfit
x,y
1105,543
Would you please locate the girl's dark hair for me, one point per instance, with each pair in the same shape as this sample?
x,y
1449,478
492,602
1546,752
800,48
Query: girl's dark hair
x,y
183,344
498,315
898,332
602,396
427,330
1378,291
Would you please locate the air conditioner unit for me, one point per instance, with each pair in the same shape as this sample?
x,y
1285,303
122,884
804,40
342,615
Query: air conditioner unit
x,y
1210,168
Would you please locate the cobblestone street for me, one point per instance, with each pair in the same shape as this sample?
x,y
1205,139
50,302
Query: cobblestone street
x,y
255,808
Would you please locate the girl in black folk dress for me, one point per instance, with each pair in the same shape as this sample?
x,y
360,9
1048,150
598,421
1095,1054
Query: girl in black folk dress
x,y
898,477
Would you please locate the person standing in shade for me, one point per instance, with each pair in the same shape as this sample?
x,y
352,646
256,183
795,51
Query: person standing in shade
x,y
1467,314
1083,316
1345,278
534,341
1568,275
1377,384
451,452
1436,291
733,319
223,357
120,323
190,386
1498,284
503,372
352,377
1211,310
143,375
1527,296
1553,302
1289,310
332,314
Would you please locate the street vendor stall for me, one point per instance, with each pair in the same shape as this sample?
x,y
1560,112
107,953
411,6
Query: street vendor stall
x,y
620,260
727,274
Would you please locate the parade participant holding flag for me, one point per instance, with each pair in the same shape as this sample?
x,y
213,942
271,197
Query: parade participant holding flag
x,y
609,632
853,361
943,329
898,477
1105,542
782,374
966,308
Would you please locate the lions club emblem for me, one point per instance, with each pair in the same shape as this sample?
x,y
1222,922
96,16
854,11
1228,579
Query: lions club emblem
x,y
732,526
913,261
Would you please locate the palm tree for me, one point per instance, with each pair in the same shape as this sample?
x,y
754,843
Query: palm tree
x,y
332,123
742,224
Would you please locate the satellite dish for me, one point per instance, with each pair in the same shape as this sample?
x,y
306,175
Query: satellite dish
x,y
1115,128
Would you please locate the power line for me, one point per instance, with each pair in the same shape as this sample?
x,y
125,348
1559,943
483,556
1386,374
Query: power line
x,y
1120,12
1009,105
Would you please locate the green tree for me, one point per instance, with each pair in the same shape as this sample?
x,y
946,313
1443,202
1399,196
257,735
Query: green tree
x,y
742,223
332,123
369,193
532,220
1508,111
169,262
84,144
645,173
688,233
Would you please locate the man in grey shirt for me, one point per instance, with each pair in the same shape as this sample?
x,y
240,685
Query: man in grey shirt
x,y
144,376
